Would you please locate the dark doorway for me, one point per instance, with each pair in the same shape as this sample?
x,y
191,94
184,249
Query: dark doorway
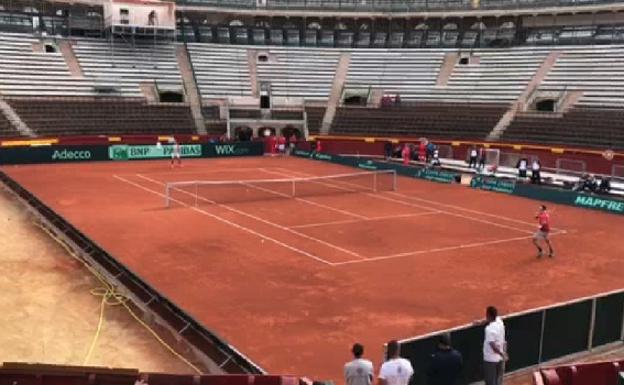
x,y
546,105
171,97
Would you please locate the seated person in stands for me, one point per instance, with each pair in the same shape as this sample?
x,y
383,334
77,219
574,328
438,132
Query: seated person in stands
x,y
587,182
605,186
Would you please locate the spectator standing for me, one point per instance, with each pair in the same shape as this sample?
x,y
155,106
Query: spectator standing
x,y
406,154
522,167
430,149
359,371
396,370
494,348
473,158
482,154
446,363
435,160
536,168
422,151
388,150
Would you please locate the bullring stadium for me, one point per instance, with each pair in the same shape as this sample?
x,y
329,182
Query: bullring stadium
x,y
234,192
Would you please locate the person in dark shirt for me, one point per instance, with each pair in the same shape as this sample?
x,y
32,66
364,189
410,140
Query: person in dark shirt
x,y
388,150
446,363
605,186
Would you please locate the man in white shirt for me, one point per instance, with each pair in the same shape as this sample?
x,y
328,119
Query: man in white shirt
x,y
359,371
396,370
494,348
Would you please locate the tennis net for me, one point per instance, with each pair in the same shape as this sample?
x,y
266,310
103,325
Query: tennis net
x,y
198,192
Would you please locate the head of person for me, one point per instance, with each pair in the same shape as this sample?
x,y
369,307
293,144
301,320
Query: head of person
x,y
444,341
491,313
394,349
357,350
542,208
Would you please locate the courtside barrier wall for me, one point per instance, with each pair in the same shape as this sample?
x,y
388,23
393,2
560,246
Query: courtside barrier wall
x,y
87,153
533,336
548,155
503,185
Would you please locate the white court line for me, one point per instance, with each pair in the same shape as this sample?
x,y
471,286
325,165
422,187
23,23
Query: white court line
x,y
437,250
230,208
380,196
199,170
345,212
223,220
466,209
363,220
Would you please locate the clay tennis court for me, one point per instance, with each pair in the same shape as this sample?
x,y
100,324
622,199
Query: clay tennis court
x,y
292,283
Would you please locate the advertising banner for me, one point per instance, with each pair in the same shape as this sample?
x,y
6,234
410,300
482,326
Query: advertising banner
x,y
128,152
52,154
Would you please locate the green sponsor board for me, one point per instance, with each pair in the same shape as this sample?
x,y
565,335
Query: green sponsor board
x,y
129,152
435,175
368,165
51,154
233,149
600,203
493,184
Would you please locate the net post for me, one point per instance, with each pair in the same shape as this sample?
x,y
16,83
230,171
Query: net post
x,y
394,180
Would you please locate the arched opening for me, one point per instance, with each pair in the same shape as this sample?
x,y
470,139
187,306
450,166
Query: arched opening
x,y
243,133
545,105
289,131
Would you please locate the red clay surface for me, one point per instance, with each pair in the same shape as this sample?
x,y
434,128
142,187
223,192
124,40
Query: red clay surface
x,y
293,283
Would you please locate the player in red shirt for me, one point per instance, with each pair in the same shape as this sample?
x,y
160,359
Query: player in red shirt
x,y
281,144
543,220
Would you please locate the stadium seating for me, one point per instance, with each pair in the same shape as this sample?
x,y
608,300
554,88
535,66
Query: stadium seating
x,y
597,71
599,373
581,126
124,66
6,128
315,119
434,120
26,72
79,116
305,73
220,70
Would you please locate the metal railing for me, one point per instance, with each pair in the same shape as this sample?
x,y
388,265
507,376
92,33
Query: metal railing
x,y
534,336
394,5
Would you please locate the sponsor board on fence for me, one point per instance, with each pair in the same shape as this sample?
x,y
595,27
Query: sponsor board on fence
x,y
128,152
233,149
489,183
601,203
51,154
